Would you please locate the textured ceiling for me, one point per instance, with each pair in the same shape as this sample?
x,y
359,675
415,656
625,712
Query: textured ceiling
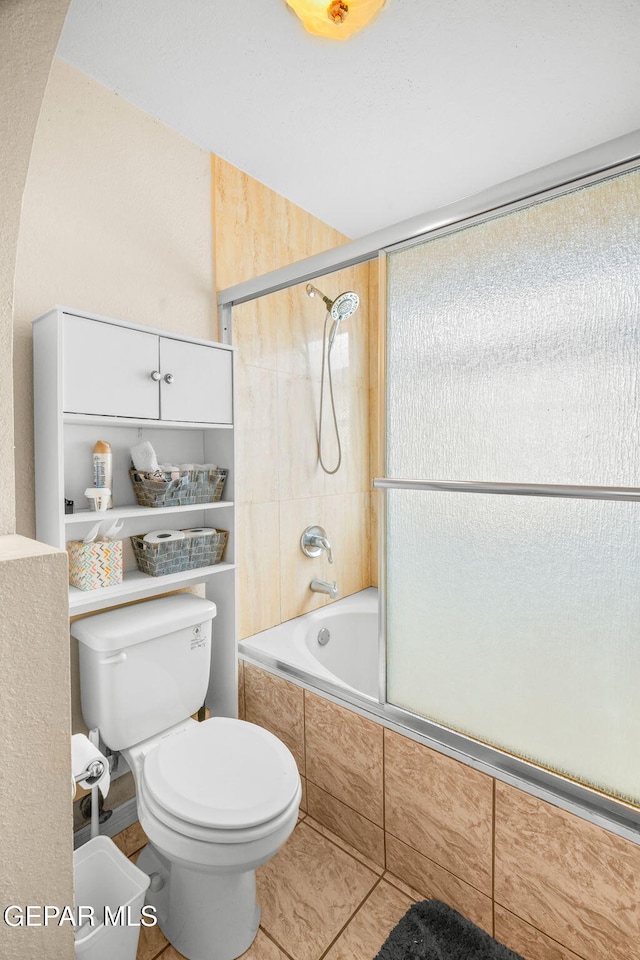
x,y
437,99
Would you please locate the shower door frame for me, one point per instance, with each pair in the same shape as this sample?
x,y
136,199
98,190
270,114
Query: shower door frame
x,y
592,166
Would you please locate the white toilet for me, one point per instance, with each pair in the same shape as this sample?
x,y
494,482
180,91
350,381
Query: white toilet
x,y
216,798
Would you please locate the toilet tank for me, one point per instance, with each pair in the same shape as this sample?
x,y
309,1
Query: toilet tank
x,y
144,668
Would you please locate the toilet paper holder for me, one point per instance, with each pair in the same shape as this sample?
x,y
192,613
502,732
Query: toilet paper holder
x,y
92,774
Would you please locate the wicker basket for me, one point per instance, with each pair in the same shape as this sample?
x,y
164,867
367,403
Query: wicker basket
x,y
193,486
176,556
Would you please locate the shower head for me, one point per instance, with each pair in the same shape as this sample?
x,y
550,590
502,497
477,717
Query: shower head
x,y
344,305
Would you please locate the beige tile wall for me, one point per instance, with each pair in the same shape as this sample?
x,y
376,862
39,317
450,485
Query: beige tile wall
x,y
548,884
281,488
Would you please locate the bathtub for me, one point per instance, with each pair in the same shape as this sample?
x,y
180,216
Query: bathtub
x,y
348,660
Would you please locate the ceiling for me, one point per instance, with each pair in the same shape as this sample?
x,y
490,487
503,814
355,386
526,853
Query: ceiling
x,y
437,99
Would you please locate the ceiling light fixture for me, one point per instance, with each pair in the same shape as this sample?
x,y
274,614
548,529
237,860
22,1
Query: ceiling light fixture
x,y
336,19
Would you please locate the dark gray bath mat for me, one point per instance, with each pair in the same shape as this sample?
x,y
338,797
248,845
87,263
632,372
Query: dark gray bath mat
x,y
431,930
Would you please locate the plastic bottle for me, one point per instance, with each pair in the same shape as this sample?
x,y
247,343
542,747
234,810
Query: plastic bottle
x,y
103,466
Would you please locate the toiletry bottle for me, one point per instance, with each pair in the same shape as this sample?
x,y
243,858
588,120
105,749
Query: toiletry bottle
x,y
103,466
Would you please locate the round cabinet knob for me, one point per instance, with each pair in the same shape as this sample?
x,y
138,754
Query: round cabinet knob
x,y
156,375
168,378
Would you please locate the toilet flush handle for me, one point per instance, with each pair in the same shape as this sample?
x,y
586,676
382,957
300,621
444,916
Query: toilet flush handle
x,y
116,658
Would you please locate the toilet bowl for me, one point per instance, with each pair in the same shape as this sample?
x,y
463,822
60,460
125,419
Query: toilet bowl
x,y
216,799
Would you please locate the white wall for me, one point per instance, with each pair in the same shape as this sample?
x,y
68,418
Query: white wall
x,y
35,815
116,220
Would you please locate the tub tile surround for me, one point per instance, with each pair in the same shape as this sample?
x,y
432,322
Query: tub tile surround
x,y
279,340
356,853
344,756
278,706
346,520
440,808
526,940
433,881
586,896
561,889
343,820
259,572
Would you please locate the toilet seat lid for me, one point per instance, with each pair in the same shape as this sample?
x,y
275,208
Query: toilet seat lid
x,y
222,773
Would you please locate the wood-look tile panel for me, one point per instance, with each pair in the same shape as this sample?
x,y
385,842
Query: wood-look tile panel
x,y
257,230
351,826
277,705
372,924
345,518
577,883
131,839
262,948
258,570
526,940
257,466
301,324
301,475
241,690
440,807
344,756
255,327
309,891
151,942
432,881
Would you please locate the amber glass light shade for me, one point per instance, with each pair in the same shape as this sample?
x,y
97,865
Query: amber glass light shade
x,y
336,19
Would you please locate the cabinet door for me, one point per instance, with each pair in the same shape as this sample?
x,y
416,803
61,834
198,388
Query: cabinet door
x,y
201,385
107,370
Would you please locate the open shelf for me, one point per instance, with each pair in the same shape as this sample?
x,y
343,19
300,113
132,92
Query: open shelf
x,y
133,510
137,585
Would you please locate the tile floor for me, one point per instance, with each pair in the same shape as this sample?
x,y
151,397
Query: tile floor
x,y
320,898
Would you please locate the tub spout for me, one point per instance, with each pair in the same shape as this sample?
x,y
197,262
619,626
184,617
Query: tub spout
x,y
321,586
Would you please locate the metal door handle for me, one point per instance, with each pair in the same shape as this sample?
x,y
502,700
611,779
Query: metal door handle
x,y
156,375
168,378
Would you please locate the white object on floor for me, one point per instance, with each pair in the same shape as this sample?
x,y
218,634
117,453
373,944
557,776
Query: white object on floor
x,y
103,877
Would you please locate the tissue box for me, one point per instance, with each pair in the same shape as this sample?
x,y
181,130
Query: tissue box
x,y
95,565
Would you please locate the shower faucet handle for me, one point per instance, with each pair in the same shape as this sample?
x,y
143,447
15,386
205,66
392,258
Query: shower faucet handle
x,y
314,540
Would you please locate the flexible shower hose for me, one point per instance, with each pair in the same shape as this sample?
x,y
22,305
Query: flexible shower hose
x,y
326,353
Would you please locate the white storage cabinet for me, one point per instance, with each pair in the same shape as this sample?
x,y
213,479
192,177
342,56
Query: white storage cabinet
x,y
96,378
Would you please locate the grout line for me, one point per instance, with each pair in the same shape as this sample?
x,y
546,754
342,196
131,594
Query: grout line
x,y
356,855
273,940
563,946
304,741
493,859
356,911
387,877
486,895
384,801
156,956
347,805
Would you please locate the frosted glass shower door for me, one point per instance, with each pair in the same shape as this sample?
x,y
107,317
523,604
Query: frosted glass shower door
x,y
513,351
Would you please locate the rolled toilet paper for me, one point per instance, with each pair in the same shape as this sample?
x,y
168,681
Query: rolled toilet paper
x,y
199,531
84,755
161,536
